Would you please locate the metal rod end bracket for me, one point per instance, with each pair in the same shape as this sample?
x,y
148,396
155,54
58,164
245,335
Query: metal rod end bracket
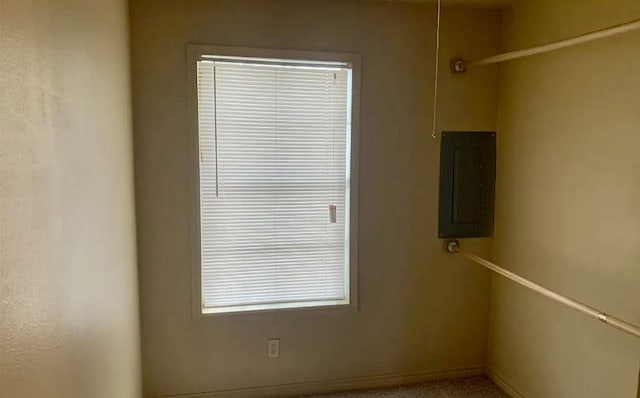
x,y
452,246
458,65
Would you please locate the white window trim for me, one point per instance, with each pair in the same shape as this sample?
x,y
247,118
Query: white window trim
x,y
194,53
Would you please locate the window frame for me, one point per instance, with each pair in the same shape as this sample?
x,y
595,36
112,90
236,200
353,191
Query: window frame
x,y
194,53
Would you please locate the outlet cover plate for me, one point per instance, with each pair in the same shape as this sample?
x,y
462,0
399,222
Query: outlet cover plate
x,y
273,348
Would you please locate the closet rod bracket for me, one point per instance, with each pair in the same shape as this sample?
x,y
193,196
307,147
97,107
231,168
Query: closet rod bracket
x,y
458,65
452,246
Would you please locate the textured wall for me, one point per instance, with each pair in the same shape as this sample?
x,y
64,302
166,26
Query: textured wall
x,y
68,285
568,202
420,309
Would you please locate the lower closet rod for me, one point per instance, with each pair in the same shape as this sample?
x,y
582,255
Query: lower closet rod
x,y
454,247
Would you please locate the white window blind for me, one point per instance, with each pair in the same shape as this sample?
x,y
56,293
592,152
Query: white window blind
x,y
274,183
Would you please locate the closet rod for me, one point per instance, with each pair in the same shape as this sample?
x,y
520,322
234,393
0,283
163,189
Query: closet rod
x,y
454,247
460,65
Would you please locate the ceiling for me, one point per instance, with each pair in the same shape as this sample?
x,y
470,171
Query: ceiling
x,y
473,3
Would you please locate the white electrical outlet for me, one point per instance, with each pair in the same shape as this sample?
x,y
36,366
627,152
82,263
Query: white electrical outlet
x,y
273,348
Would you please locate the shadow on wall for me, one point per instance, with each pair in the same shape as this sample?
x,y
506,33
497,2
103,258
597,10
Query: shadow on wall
x,y
69,302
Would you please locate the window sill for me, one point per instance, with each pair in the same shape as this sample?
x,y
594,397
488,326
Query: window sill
x,y
279,307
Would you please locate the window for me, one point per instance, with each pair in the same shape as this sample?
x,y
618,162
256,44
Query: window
x,y
275,182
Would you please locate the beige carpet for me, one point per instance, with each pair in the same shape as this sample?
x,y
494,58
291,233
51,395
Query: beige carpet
x,y
474,387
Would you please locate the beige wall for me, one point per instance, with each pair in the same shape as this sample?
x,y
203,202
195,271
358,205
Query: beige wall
x,y
68,286
568,202
420,310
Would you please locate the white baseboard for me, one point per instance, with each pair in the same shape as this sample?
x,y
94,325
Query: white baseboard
x,y
328,386
503,384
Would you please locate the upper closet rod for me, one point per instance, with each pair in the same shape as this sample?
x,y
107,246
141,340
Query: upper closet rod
x,y
454,247
459,65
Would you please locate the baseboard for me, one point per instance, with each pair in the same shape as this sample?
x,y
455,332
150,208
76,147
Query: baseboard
x,y
503,384
327,386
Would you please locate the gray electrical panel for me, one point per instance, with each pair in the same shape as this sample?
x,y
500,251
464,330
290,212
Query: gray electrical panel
x,y
467,184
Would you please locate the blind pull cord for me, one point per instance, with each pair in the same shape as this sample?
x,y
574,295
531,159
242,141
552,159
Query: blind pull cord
x,y
434,133
215,126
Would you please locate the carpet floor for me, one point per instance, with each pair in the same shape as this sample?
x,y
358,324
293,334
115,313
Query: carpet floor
x,y
473,387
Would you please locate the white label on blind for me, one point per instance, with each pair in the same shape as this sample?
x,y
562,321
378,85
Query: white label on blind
x,y
332,214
